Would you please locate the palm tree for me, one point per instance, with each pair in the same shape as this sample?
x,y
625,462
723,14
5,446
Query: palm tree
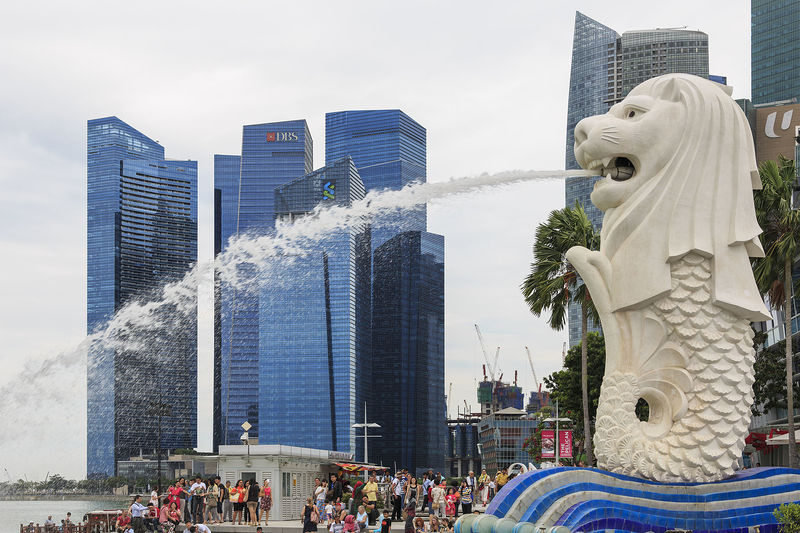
x,y
553,283
781,240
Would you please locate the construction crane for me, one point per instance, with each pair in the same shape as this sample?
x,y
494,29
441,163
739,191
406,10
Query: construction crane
x,y
535,380
494,383
449,395
491,367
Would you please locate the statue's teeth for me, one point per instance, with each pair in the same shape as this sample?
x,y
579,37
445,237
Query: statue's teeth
x,y
606,161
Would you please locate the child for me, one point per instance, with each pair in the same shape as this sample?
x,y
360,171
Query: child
x,y
328,514
451,499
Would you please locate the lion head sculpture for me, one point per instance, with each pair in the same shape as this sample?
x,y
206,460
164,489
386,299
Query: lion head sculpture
x,y
679,165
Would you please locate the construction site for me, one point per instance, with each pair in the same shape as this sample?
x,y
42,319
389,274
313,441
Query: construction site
x,y
492,435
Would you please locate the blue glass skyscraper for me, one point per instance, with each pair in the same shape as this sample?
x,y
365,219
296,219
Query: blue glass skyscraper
x,y
775,50
605,67
273,154
141,234
314,322
408,348
389,151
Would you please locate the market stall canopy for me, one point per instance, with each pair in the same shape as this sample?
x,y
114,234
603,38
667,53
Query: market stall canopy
x,y
783,439
356,467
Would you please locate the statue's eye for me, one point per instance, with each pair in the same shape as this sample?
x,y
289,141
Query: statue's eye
x,y
631,113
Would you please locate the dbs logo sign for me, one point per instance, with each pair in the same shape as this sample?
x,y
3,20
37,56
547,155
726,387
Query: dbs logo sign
x,y
281,136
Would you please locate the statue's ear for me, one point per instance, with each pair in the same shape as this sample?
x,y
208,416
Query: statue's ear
x,y
670,90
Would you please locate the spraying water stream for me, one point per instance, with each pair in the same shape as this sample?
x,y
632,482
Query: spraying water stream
x,y
142,323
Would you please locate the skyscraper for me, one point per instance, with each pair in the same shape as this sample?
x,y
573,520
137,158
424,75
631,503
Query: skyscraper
x,y
408,348
273,154
389,151
605,67
141,234
775,50
314,322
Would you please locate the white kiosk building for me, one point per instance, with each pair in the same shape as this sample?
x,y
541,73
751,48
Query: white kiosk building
x,y
290,471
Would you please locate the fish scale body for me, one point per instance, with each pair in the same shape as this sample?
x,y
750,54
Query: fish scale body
x,y
718,345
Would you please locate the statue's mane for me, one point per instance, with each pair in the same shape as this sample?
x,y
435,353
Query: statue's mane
x,y
701,201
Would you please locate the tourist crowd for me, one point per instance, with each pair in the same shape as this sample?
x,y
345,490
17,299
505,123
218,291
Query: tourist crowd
x,y
196,503
403,496
338,504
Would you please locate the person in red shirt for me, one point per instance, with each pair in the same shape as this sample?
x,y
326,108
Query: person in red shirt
x,y
123,521
174,493
238,497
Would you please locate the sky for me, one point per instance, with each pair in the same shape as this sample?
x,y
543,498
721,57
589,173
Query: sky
x,y
488,80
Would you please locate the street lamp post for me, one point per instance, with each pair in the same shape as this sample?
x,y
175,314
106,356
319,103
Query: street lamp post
x,y
366,425
557,420
246,440
160,409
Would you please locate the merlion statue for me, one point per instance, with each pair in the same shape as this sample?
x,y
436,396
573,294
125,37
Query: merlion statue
x,y
672,281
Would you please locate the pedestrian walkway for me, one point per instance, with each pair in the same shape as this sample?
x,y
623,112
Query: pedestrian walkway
x,y
280,526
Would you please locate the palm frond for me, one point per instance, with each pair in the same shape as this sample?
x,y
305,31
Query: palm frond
x,y
553,283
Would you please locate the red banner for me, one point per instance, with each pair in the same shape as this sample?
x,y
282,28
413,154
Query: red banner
x,y
565,443
549,443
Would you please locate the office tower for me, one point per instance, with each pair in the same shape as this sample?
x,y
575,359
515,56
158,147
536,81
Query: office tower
x,y
273,154
314,322
389,151
775,50
605,67
142,233
775,58
408,348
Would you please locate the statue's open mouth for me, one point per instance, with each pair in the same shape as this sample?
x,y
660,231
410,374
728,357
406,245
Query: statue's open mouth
x,y
620,169
617,168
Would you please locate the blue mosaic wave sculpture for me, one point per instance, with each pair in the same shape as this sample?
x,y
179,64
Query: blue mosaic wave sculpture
x,y
593,500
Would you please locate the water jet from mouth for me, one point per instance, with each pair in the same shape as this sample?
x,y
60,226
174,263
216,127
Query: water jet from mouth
x,y
140,325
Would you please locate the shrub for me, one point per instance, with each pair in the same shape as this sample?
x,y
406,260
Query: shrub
x,y
788,516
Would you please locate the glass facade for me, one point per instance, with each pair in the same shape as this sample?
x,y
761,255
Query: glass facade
x,y
389,151
502,437
408,347
273,154
650,53
605,67
314,327
775,50
141,234
309,330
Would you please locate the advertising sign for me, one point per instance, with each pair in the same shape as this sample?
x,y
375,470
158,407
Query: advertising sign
x,y
565,443
281,136
329,191
775,131
549,443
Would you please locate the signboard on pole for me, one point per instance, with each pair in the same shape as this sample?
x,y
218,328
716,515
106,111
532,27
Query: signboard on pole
x,y
564,443
548,443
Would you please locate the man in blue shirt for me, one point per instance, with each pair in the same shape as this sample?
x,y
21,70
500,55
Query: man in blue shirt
x,y
137,512
427,483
